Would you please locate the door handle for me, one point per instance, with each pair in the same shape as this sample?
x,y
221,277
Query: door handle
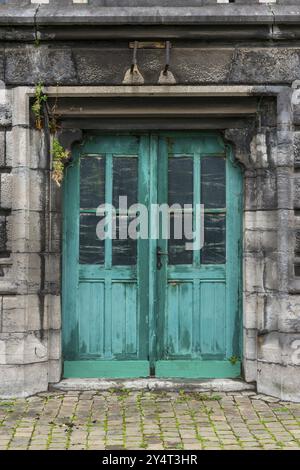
x,y
159,254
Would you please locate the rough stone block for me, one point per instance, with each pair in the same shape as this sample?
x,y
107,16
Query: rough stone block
x,y
9,134
270,277
250,370
26,234
20,189
261,220
290,348
12,381
250,344
56,197
254,269
56,233
269,379
3,234
262,311
2,149
253,308
256,241
53,272
289,320
276,65
297,241
22,348
259,151
291,383
26,272
2,55
53,309
22,314
261,191
297,191
38,189
13,316
285,148
5,115
54,344
39,157
23,380
272,312
24,180
93,67
9,232
268,348
189,65
279,381
53,261
29,65
21,108
297,146
198,65
285,191
55,371
268,107
6,190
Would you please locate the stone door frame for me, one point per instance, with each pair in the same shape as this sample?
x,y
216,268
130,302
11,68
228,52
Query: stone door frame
x,y
268,261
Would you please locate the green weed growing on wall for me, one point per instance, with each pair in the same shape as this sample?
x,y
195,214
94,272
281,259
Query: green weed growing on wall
x,y
37,108
59,154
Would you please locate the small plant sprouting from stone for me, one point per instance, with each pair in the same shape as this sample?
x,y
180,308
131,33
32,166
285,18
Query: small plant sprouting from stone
x,y
233,360
37,108
60,156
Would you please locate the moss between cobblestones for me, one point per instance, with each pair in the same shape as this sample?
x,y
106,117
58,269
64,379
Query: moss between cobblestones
x,y
157,417
105,424
198,396
149,420
143,444
7,403
281,410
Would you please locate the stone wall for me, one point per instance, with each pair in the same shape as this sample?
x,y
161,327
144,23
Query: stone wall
x,y
29,330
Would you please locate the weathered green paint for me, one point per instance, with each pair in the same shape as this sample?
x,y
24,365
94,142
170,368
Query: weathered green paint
x,y
106,369
199,311
105,306
180,321
198,369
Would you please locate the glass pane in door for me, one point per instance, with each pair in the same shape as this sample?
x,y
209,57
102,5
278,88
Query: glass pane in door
x,y
180,192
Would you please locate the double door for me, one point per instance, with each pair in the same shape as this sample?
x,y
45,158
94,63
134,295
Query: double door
x,y
151,257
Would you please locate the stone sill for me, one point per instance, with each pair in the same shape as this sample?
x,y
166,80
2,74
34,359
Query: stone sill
x,y
201,385
270,14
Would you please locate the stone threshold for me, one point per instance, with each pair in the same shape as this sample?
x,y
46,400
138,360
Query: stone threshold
x,y
207,385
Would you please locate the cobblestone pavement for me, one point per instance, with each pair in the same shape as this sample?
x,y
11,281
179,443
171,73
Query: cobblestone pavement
x,y
149,420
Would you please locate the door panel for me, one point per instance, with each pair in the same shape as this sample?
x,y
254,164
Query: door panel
x,y
128,312
212,320
179,319
91,301
105,315
198,295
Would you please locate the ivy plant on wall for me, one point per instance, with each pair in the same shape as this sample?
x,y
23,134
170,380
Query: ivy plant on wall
x,y
59,155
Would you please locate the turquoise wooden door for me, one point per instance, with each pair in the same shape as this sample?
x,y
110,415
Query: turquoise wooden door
x,y
105,283
198,291
134,308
